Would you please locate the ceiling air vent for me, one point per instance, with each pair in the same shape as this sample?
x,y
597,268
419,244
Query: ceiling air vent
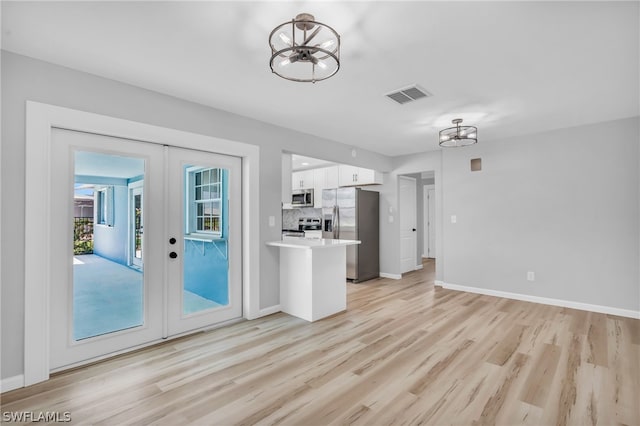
x,y
408,94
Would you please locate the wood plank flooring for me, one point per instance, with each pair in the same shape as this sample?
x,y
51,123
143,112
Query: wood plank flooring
x,y
403,353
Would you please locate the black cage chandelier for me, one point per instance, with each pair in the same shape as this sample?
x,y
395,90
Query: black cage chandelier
x,y
458,135
304,50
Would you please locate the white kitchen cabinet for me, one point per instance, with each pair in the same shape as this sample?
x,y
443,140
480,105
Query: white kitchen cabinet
x,y
323,178
356,176
332,177
302,179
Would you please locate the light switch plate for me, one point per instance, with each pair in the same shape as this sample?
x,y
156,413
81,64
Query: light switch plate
x,y
454,219
272,221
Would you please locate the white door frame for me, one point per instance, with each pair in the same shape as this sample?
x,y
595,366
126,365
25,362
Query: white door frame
x,y
428,227
40,119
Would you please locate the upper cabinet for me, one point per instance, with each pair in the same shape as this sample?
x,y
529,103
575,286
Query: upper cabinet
x,y
302,179
326,178
357,176
323,178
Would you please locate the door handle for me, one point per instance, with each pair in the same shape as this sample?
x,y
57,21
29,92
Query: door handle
x,y
413,229
173,255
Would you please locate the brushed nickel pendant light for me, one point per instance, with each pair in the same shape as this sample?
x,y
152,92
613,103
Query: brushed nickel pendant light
x,y
458,135
304,50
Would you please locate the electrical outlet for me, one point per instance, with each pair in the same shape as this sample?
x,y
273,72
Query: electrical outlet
x,y
272,221
454,219
531,276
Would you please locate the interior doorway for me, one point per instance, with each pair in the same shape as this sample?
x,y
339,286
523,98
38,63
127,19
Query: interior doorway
x,y
425,210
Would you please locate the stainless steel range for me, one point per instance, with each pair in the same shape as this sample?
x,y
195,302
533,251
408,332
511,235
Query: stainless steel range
x,y
312,227
308,227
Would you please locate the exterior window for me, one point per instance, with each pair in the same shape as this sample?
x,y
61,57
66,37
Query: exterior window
x,y
206,201
104,205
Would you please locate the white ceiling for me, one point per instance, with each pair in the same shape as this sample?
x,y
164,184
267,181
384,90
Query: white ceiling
x,y
510,68
300,162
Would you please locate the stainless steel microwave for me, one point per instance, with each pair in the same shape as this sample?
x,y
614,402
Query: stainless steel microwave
x,y
302,198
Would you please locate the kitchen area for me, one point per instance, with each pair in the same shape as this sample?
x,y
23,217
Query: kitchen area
x,y
330,234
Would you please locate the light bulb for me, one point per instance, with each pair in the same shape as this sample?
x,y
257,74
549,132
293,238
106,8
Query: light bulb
x,y
327,43
285,62
284,38
322,65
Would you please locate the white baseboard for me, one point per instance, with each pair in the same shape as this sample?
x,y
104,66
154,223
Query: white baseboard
x,y
268,311
392,276
418,267
544,300
11,383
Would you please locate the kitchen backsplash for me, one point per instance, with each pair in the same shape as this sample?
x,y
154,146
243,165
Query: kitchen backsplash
x,y
290,216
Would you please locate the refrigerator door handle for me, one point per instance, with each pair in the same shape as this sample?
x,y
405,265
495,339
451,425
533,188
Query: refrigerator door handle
x,y
336,222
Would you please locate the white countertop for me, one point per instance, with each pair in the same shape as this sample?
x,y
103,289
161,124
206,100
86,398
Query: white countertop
x,y
305,243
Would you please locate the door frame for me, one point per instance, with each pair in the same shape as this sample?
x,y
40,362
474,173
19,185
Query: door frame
x,y
40,120
428,226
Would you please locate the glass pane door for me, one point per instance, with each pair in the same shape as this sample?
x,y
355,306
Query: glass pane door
x,y
103,298
204,267
107,292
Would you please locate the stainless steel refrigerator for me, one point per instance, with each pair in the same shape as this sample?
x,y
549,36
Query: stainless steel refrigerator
x,y
354,214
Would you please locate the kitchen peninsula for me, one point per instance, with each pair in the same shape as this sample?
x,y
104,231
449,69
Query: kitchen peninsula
x,y
313,275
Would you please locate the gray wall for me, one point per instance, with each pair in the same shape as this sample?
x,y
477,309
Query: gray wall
x,y
563,204
28,79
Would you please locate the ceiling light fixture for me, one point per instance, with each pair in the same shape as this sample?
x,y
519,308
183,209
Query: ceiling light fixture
x,y
458,135
304,50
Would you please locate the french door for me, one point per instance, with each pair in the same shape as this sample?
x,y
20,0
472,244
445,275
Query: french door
x,y
163,256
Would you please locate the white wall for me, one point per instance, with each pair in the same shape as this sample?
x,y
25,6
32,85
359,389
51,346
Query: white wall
x,y
29,79
563,204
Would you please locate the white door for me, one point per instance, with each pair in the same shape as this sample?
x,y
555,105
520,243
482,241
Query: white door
x,y
408,231
100,304
431,223
204,241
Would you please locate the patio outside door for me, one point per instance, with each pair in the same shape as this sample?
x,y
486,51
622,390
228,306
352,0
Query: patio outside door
x,y
136,226
132,288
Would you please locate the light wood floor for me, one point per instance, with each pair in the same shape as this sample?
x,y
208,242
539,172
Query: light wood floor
x,y
403,353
